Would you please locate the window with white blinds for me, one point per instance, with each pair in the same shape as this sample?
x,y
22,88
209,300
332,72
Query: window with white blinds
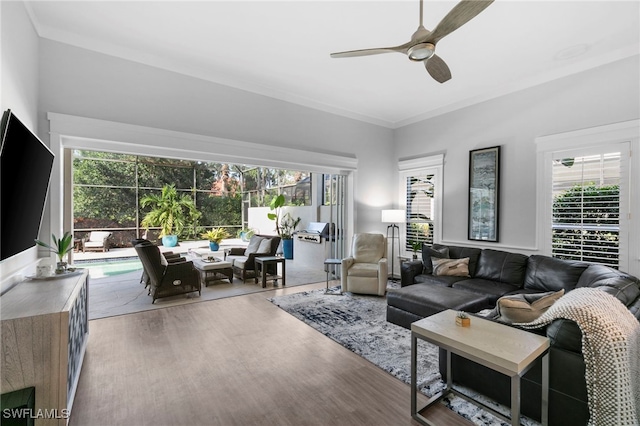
x,y
420,191
420,194
588,190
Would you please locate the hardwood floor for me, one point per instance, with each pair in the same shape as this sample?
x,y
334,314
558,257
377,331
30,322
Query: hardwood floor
x,y
234,361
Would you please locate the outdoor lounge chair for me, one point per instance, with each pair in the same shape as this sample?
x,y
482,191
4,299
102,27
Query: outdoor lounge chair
x,y
167,278
96,241
243,259
169,255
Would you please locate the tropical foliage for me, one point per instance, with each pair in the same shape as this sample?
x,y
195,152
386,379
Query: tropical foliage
x,y
215,235
586,224
170,211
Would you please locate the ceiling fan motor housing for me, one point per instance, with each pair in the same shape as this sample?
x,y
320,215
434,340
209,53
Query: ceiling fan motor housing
x,y
421,51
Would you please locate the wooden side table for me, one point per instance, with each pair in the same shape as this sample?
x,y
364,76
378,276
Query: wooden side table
x,y
505,349
262,264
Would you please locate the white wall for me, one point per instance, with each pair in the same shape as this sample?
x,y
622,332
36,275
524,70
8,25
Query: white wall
x,y
19,92
604,95
79,82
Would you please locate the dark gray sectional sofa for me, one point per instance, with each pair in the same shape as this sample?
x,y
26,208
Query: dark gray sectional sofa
x,y
494,274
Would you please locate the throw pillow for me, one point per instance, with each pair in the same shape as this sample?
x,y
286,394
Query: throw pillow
x,y
163,260
451,267
264,247
254,243
525,307
428,253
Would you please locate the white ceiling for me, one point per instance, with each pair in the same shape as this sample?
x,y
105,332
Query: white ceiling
x,y
281,49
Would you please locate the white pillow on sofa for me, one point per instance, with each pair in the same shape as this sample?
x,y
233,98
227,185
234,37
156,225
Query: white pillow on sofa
x,y
253,246
525,307
265,246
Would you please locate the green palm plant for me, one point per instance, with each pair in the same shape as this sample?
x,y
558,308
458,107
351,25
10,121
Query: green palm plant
x,y
216,235
60,246
170,211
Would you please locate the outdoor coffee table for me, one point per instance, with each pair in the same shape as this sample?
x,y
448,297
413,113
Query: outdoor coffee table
x,y
262,264
505,349
212,270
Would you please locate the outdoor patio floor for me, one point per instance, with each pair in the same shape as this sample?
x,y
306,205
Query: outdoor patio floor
x,y
124,294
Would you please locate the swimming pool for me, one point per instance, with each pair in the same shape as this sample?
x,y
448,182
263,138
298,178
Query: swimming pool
x,y
110,267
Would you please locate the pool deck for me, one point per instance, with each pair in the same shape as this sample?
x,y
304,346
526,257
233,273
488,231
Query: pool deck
x,y
126,252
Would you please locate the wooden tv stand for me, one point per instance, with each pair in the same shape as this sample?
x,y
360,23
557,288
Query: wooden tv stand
x,y
45,330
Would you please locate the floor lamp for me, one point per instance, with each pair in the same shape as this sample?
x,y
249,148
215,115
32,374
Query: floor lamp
x,y
393,217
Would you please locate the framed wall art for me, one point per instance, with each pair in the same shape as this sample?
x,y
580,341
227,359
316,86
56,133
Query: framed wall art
x,y
484,194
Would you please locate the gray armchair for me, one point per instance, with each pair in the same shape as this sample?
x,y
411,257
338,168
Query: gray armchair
x,y
243,259
167,278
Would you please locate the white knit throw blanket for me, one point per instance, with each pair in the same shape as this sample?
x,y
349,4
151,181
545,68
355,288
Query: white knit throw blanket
x,y
610,345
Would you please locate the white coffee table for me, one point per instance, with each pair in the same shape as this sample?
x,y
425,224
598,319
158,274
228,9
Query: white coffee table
x,y
505,349
212,270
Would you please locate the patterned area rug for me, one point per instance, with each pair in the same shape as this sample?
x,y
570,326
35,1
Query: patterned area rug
x,y
358,322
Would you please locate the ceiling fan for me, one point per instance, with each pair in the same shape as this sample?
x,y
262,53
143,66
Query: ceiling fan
x,y
422,46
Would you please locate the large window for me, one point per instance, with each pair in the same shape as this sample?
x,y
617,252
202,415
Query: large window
x,y
420,189
586,196
107,188
586,206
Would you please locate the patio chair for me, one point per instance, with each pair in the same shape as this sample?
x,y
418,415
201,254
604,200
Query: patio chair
x,y
243,259
168,255
167,278
96,241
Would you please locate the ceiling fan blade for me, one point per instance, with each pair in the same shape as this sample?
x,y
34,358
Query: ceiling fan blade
x,y
367,52
461,13
438,69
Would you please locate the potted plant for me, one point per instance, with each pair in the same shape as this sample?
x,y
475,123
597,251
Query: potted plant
x,y
276,207
215,235
288,226
60,247
416,246
171,212
245,234
462,319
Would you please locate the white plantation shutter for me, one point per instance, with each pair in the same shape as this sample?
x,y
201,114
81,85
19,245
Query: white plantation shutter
x,y
421,197
588,214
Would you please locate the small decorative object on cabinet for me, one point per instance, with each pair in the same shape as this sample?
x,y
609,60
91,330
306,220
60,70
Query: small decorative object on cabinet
x,y
60,247
463,319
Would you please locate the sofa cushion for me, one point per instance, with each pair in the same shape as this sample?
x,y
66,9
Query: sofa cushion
x,y
546,273
621,285
428,252
424,300
456,252
369,270
254,244
451,267
492,289
502,266
525,307
264,247
442,281
98,236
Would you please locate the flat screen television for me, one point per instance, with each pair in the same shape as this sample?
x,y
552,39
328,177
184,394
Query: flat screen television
x,y
25,172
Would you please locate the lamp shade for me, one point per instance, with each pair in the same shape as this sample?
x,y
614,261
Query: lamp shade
x,y
393,216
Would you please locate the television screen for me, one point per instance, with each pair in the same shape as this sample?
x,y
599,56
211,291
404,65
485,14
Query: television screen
x,y
25,171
